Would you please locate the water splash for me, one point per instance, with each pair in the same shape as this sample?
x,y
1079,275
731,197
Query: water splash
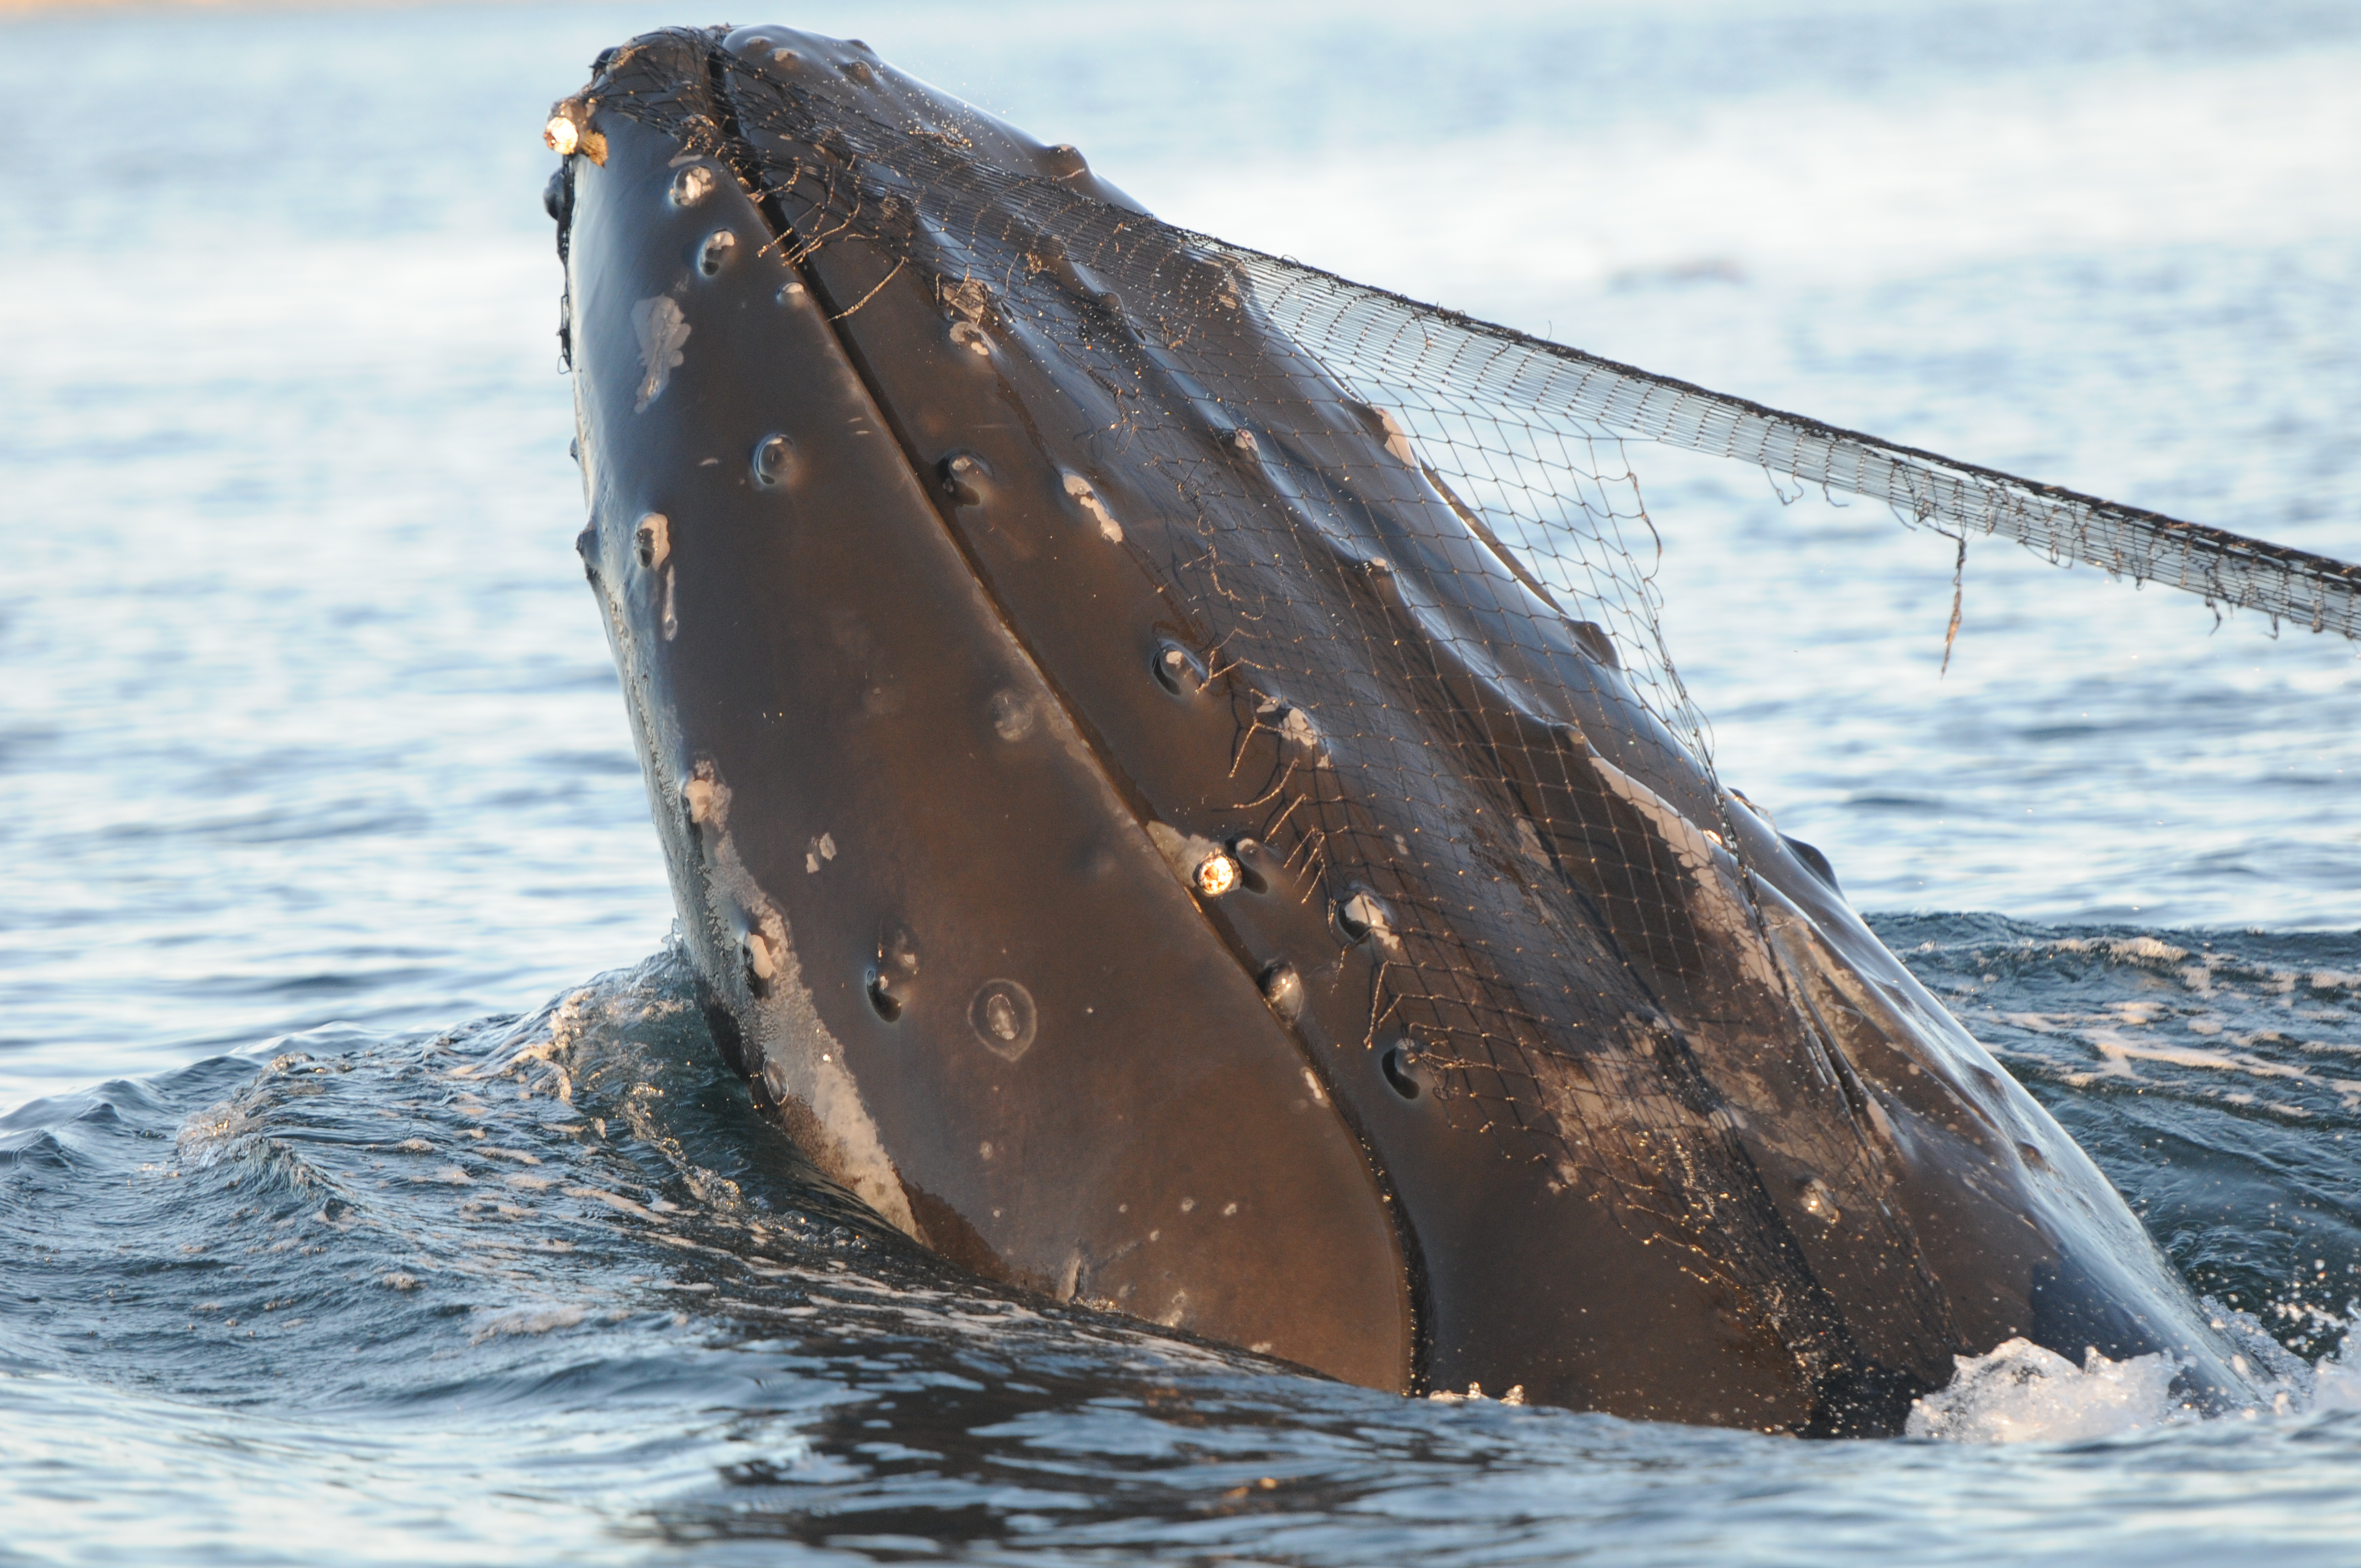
x,y
2025,1393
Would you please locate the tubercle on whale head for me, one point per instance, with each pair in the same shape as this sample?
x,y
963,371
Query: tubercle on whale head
x,y
1578,1032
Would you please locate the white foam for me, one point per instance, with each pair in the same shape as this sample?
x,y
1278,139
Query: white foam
x,y
2024,1393
2336,1381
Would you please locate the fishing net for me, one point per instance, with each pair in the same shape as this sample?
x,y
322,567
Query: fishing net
x,y
1525,437
1403,536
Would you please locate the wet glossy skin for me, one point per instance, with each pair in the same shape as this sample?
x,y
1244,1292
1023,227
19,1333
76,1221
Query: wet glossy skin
x,y
1052,874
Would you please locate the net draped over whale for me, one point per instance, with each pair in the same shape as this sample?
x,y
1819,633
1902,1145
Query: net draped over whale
x,y
1524,435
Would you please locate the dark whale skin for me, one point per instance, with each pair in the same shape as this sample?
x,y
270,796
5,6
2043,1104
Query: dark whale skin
x,y
932,820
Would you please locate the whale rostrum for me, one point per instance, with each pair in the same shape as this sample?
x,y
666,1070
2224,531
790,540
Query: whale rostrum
x,y
1175,829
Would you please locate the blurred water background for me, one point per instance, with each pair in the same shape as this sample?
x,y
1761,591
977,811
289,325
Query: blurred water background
x,y
322,849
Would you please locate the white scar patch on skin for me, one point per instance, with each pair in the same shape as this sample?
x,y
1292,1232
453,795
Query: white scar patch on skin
x,y
1722,907
1087,497
801,1062
663,333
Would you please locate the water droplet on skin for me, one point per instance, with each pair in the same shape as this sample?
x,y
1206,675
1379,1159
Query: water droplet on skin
x,y
1003,1017
1011,714
692,185
715,253
775,457
1283,988
1819,1202
898,951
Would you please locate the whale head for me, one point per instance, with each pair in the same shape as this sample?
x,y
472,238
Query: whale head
x,y
1175,796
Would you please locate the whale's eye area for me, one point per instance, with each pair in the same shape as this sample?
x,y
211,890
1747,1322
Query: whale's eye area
x,y
1400,1066
1177,669
692,185
775,459
715,253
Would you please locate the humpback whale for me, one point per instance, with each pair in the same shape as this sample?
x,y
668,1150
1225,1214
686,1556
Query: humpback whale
x,y
1176,830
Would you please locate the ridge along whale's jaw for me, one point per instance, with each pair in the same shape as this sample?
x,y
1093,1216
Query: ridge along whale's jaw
x,y
1064,919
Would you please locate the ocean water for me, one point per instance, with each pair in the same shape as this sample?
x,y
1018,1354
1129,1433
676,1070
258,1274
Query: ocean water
x,y
371,1191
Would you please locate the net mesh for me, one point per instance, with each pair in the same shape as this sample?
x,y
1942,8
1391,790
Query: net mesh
x,y
1413,544
1524,437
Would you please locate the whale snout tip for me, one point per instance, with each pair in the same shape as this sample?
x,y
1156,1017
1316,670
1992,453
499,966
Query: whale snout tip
x,y
568,131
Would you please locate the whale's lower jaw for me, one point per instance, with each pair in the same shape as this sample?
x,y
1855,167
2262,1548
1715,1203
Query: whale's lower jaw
x,y
1420,1014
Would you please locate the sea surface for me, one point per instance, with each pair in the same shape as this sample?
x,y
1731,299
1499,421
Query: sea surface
x,y
370,1190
